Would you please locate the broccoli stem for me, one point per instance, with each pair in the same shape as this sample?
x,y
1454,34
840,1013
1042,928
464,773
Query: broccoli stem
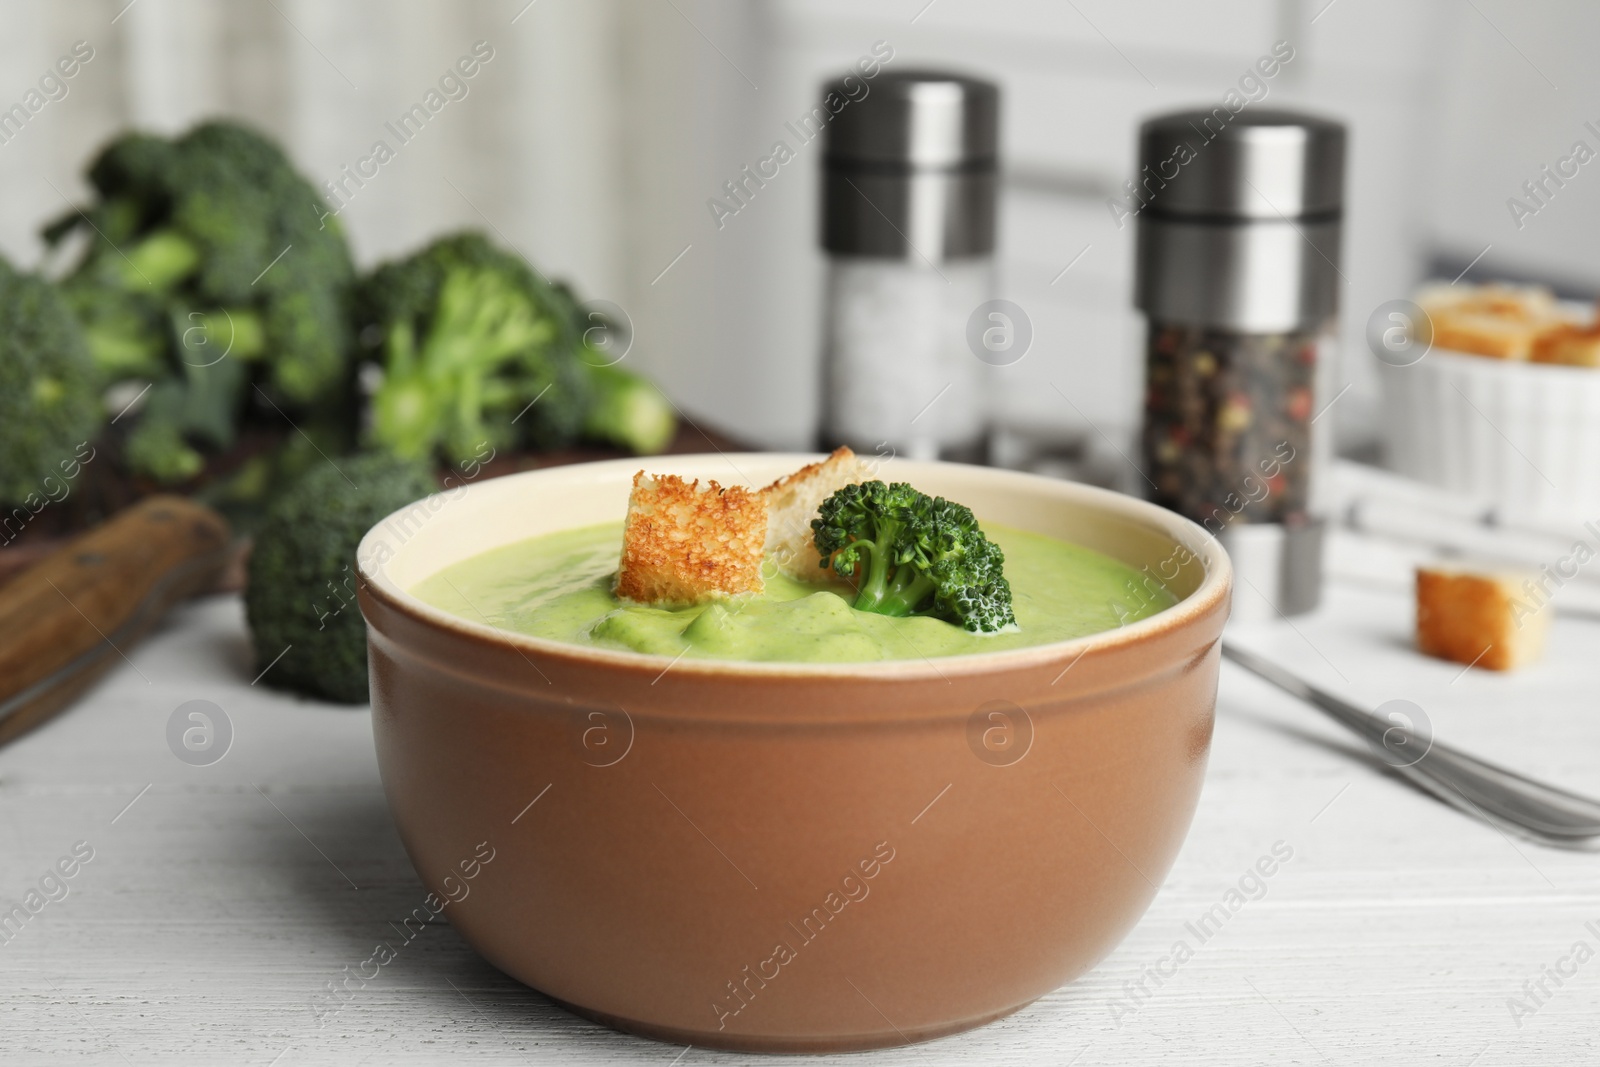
x,y
407,413
159,262
627,410
124,349
448,392
156,447
887,589
206,336
904,596
874,579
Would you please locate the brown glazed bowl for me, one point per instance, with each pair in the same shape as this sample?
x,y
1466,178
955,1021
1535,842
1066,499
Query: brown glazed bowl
x,y
790,857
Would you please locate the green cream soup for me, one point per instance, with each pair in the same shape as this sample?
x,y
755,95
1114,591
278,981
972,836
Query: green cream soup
x,y
558,586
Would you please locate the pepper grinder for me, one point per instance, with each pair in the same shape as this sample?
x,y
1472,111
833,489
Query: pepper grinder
x,y
1239,220
908,223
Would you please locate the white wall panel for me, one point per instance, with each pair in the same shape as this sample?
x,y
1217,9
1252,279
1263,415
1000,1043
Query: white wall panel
x,y
595,137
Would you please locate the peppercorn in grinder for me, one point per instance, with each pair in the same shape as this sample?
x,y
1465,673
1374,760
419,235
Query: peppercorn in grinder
x,y
1238,277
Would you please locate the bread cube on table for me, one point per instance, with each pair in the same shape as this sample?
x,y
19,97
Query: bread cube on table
x,y
1483,616
684,543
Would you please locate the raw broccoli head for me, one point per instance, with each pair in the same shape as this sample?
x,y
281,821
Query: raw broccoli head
x,y
301,593
912,554
134,171
126,331
472,353
207,214
212,227
237,198
49,403
477,348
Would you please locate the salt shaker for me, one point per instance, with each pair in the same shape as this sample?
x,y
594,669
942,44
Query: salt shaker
x,y
908,223
1239,221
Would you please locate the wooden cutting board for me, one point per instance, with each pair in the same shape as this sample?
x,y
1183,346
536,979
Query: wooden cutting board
x,y
76,613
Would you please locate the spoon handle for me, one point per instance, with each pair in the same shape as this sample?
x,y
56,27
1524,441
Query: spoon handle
x,y
1461,780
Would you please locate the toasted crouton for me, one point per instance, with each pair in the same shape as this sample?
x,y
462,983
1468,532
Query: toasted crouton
x,y
1502,321
792,503
1575,346
1531,303
1479,617
1483,333
684,543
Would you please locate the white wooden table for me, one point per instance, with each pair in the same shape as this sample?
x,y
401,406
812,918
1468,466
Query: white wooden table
x,y
219,902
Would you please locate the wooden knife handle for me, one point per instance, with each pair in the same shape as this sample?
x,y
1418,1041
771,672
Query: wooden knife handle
x,y
77,612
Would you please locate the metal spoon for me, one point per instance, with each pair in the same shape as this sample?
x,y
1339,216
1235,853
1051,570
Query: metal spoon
x,y
1504,798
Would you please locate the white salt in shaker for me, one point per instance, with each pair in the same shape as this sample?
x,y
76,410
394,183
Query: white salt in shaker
x,y
908,222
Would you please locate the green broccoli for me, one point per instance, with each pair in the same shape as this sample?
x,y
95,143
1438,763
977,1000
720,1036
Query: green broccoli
x,y
912,554
301,592
627,410
157,447
201,249
470,350
475,348
126,332
198,407
248,491
49,403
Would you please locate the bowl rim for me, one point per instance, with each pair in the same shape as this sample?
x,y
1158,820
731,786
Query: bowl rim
x,y
1211,594
1474,363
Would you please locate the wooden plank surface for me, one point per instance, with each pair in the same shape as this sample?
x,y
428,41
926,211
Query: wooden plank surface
x,y
219,905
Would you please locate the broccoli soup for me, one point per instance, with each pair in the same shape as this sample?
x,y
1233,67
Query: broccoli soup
x,y
560,586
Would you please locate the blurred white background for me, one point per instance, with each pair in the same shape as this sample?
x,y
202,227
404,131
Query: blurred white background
x,y
600,128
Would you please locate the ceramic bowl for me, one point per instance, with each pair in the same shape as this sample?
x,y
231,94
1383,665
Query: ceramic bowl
x,y
790,857
1520,435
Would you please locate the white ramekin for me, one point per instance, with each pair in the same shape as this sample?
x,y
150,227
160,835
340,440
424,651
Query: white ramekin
x,y
1524,436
